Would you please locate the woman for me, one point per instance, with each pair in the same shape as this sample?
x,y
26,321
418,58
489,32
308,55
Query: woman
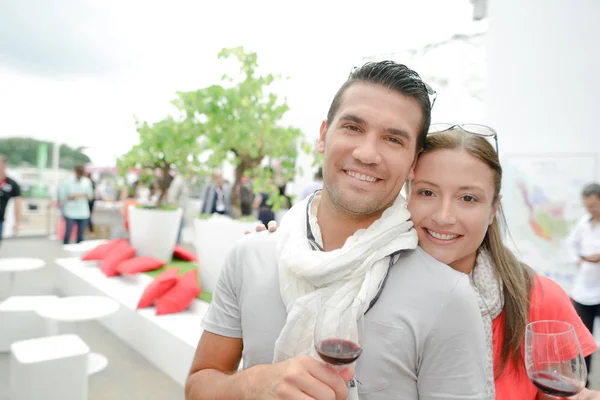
x,y
454,199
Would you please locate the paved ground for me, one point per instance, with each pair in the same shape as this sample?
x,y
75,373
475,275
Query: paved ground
x,y
129,376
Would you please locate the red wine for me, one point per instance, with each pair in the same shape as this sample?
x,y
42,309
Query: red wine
x,y
338,351
554,384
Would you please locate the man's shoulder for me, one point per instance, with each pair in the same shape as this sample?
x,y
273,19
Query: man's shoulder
x,y
421,262
256,250
11,181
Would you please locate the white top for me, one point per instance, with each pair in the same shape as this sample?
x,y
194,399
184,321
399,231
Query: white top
x,y
25,303
79,308
584,241
48,348
20,264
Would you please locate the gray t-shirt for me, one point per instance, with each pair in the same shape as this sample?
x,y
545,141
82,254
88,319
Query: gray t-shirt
x,y
423,339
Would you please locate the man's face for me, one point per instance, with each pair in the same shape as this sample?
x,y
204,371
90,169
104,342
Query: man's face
x,y
592,204
3,166
218,178
369,148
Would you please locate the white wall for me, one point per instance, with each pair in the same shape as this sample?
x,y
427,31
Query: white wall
x,y
543,77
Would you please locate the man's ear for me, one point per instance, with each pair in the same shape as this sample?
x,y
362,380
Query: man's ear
x,y
321,141
495,209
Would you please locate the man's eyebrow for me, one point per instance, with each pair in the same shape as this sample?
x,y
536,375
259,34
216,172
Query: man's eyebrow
x,y
353,118
360,121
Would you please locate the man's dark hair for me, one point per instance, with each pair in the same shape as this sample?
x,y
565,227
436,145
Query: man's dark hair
x,y
319,173
590,190
396,77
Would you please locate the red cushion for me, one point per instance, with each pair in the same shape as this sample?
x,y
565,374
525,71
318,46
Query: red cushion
x,y
180,296
122,252
101,251
158,287
183,254
139,264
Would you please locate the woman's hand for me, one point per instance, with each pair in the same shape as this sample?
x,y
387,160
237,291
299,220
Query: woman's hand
x,y
261,227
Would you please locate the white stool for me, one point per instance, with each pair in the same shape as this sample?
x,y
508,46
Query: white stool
x,y
19,319
50,368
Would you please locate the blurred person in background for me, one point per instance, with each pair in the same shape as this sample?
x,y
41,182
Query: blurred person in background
x,y
583,243
179,195
130,199
9,188
315,185
74,198
216,197
92,201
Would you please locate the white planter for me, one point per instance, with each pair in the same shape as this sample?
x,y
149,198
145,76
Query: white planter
x,y
154,232
214,238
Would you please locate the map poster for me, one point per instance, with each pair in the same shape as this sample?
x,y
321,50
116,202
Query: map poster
x,y
542,202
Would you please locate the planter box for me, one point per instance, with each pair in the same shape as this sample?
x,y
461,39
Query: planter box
x,y
154,232
214,238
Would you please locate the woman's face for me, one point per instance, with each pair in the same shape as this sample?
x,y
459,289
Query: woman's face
x,y
451,203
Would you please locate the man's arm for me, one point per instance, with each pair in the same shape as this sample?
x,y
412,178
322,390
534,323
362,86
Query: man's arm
x,y
455,355
18,212
213,375
573,244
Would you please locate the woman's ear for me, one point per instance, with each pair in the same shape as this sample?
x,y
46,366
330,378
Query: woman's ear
x,y
495,209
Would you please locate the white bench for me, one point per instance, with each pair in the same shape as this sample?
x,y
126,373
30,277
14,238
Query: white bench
x,y
167,341
49,368
19,319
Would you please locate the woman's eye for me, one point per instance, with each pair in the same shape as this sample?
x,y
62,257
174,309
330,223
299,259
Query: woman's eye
x,y
426,193
469,199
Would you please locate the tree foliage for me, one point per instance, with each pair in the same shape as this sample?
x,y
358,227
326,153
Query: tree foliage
x,y
24,152
164,146
242,117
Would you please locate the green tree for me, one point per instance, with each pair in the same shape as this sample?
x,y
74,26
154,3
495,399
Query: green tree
x,y
24,152
243,118
166,145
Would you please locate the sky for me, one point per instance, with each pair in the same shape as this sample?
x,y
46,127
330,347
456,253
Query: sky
x,y
80,71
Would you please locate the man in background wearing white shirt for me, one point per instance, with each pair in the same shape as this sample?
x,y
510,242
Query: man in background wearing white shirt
x,y
584,246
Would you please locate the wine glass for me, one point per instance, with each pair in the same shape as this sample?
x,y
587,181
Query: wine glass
x,y
553,358
338,332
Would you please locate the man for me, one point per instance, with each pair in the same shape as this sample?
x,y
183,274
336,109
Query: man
x,y
315,185
349,244
9,188
217,196
74,199
584,247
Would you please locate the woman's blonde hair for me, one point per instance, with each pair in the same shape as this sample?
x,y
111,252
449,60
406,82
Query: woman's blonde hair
x,y
516,276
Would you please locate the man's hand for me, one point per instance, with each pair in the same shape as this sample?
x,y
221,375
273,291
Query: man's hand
x,y
304,376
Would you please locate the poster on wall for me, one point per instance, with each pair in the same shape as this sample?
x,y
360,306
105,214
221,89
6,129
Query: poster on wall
x,y
542,202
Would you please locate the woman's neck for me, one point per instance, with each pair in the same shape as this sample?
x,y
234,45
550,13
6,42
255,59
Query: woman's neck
x,y
465,264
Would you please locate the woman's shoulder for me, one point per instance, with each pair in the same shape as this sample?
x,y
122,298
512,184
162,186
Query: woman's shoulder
x,y
547,296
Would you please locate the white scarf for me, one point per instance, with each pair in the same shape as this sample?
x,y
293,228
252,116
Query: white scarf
x,y
490,296
356,271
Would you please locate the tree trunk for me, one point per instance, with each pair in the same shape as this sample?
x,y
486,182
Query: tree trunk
x,y
164,184
246,163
